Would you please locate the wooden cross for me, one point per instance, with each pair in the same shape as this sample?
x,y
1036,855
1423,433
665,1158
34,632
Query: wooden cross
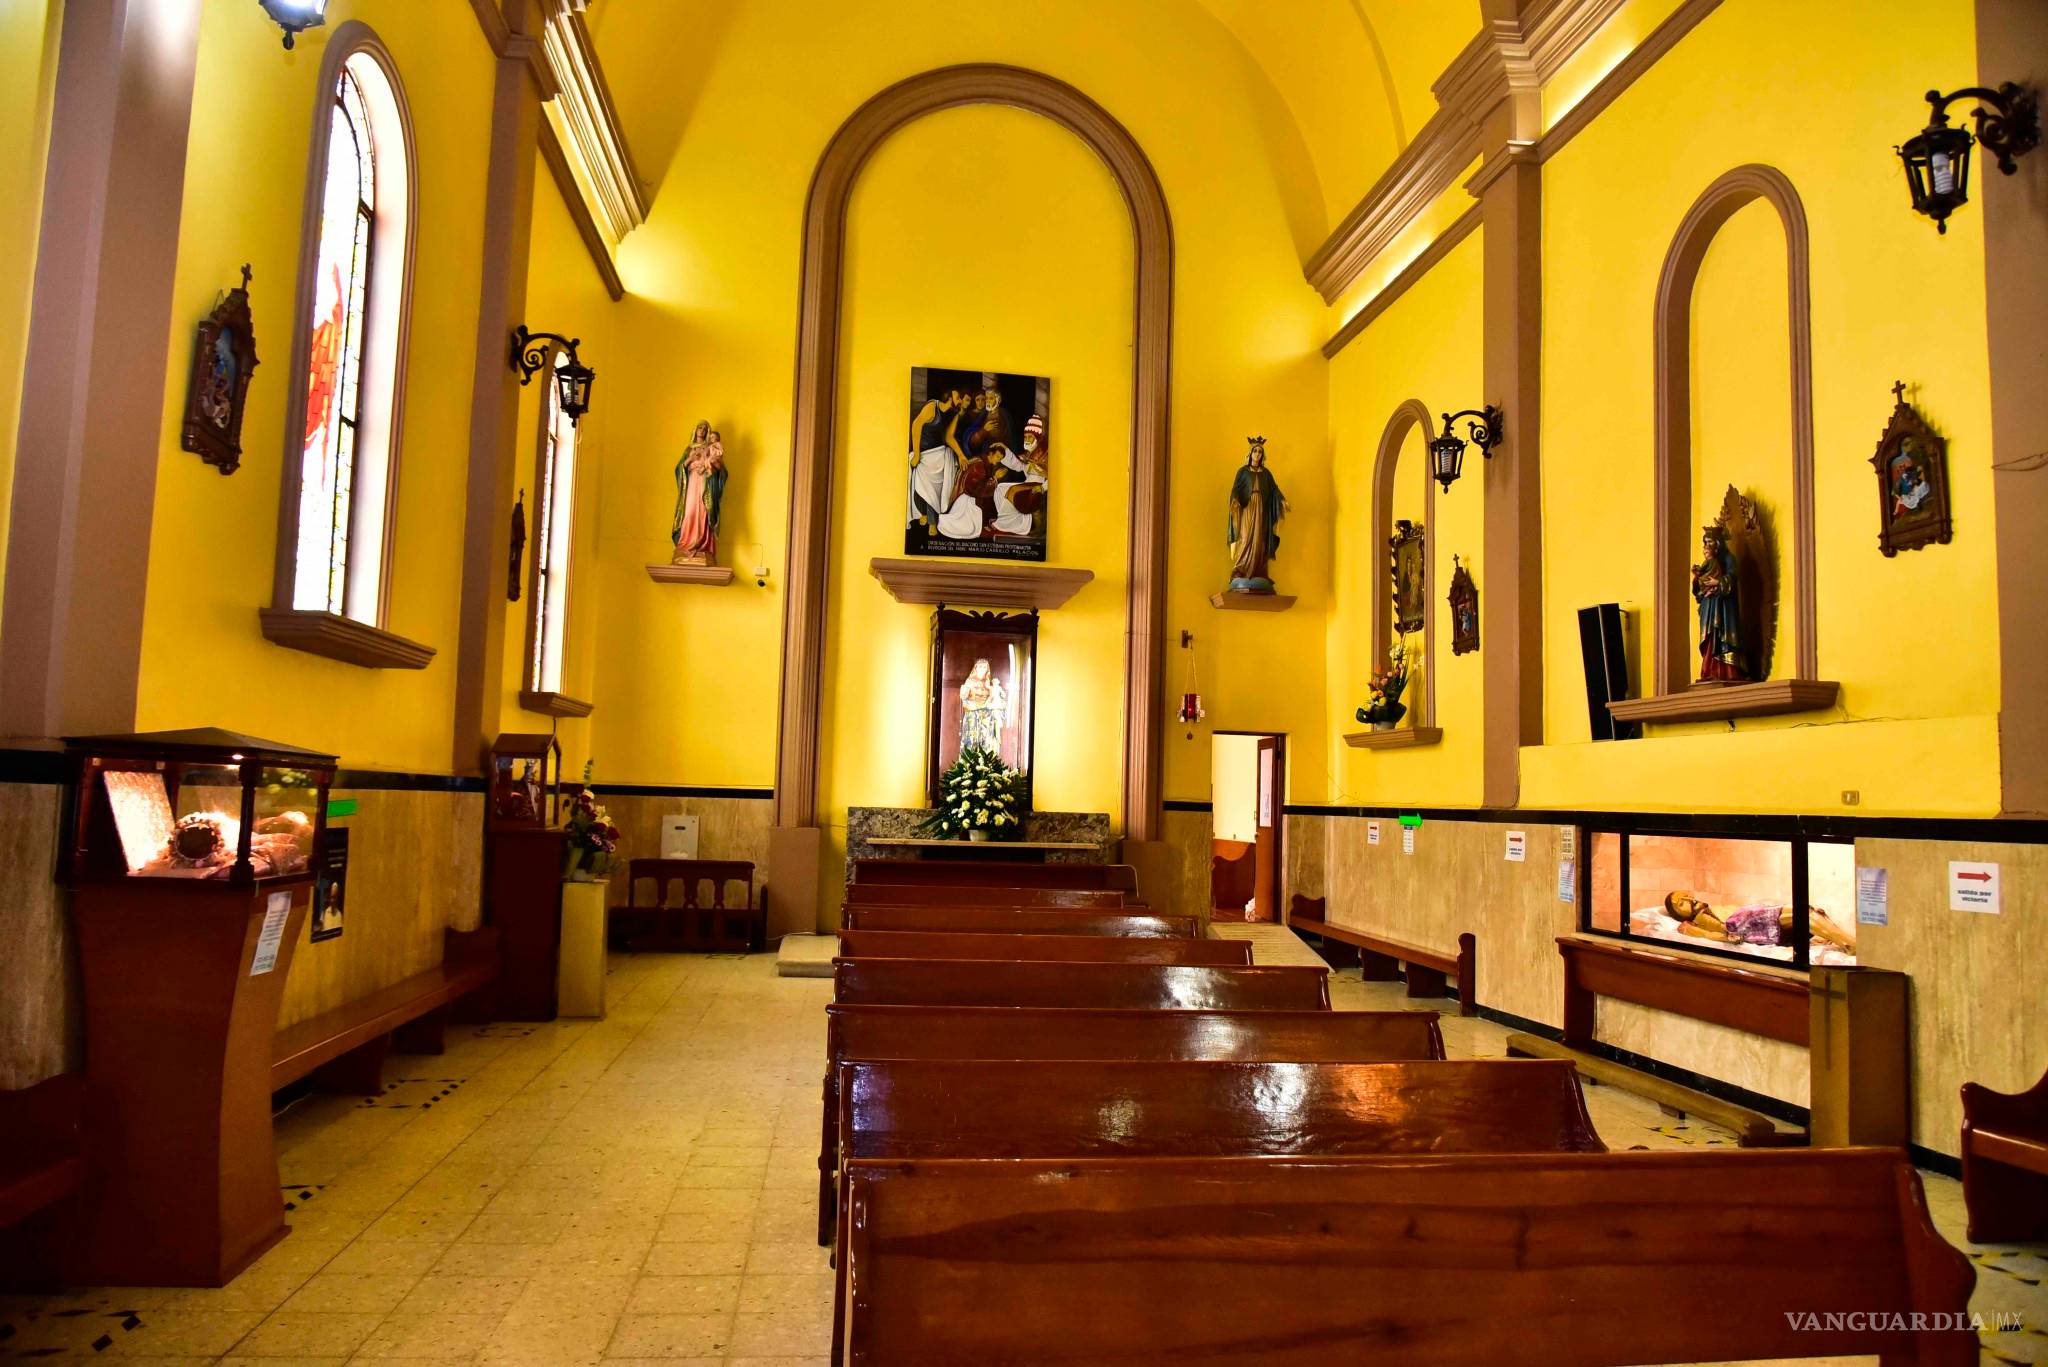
x,y
1899,391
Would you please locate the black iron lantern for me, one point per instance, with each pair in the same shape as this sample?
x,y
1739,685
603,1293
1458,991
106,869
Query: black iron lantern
x,y
1447,451
295,16
531,354
1937,158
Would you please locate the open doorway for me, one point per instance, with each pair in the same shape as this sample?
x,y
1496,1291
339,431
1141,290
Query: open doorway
x,y
1247,781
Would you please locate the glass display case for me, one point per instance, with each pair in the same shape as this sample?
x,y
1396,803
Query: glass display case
x,y
1790,901
526,779
201,804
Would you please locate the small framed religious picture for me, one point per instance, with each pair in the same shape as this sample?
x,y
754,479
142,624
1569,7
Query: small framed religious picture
x,y
1410,576
984,689
1464,610
223,355
330,887
1912,481
980,464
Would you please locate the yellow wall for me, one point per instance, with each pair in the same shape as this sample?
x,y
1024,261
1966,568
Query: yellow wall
x,y
980,289
1424,347
566,295
28,73
688,676
1913,640
213,542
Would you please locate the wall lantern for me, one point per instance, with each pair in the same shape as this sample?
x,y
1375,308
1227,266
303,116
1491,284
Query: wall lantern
x,y
1937,158
295,16
1191,710
1447,451
572,378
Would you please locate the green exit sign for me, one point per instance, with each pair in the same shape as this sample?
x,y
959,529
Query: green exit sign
x,y
341,806
1406,820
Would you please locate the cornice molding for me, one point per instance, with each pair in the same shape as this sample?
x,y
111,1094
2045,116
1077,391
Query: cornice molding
x,y
1624,74
579,210
587,122
517,47
1508,59
1440,247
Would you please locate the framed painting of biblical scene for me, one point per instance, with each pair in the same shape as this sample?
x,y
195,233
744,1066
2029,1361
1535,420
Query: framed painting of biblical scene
x,y
1912,481
979,464
984,689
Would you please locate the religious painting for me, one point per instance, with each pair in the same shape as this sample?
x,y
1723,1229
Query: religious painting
x,y
979,464
223,355
1464,599
1410,576
1912,481
984,682
330,888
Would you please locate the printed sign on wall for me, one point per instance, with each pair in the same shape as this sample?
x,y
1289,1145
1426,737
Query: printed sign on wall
x,y
276,912
1372,832
1873,897
1518,847
1972,886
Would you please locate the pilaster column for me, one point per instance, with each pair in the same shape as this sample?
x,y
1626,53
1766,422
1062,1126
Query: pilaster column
x,y
98,353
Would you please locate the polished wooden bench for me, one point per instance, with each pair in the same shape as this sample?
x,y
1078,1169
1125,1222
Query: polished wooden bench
x,y
934,944
982,1108
344,1049
993,874
982,982
1553,1260
874,1033
716,913
40,1149
2005,1162
1016,921
1380,959
915,894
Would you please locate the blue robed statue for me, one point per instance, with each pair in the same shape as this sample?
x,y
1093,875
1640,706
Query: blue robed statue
x,y
1723,658
1256,507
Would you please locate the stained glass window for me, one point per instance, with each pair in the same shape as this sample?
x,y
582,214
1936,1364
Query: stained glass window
x,y
334,377
556,509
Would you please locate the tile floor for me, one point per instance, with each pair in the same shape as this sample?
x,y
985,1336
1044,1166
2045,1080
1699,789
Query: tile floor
x,y
636,1189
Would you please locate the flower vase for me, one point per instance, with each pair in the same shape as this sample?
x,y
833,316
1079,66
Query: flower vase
x,y
978,836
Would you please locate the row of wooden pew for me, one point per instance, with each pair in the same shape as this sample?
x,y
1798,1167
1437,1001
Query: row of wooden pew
x,y
1059,1127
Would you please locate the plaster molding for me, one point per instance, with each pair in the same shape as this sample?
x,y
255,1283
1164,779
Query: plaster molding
x,y
965,583
813,453
1509,59
341,638
508,44
579,211
1624,74
582,115
1439,248
1673,647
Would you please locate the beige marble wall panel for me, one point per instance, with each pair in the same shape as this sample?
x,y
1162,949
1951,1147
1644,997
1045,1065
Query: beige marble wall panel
x,y
1304,841
39,1035
1188,836
414,870
1978,1010
1458,879
728,828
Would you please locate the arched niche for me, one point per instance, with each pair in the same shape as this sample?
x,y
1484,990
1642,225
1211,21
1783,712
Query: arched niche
x,y
1385,469
1675,648
813,456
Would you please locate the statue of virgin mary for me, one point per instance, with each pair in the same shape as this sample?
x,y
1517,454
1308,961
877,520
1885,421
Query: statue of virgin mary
x,y
984,703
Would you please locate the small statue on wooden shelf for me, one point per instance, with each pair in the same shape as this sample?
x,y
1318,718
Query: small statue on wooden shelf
x,y
1256,507
700,489
1715,589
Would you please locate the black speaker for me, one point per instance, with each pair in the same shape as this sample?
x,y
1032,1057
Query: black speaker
x,y
1605,653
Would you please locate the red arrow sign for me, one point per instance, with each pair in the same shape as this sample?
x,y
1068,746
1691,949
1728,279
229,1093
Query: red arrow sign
x,y
1980,877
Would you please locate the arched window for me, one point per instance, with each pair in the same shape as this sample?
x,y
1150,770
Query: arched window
x,y
555,521
334,550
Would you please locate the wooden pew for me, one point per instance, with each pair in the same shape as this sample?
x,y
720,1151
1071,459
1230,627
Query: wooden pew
x,y
982,982
1555,1260
917,1109
933,944
874,1033
1379,959
41,1153
961,873
346,1047
1016,921
938,895
2005,1163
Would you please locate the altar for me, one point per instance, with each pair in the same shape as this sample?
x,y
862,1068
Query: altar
x,y
1049,838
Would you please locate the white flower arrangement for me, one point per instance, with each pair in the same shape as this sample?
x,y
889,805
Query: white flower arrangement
x,y
979,793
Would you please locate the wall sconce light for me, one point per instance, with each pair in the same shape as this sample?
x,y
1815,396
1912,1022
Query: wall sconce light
x,y
1447,451
572,378
1937,158
295,16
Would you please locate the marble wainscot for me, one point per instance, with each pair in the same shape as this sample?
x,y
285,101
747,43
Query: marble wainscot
x,y
1054,837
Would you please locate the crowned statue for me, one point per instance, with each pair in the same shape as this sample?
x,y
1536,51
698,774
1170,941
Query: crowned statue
x,y
1715,587
1256,507
984,706
700,489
